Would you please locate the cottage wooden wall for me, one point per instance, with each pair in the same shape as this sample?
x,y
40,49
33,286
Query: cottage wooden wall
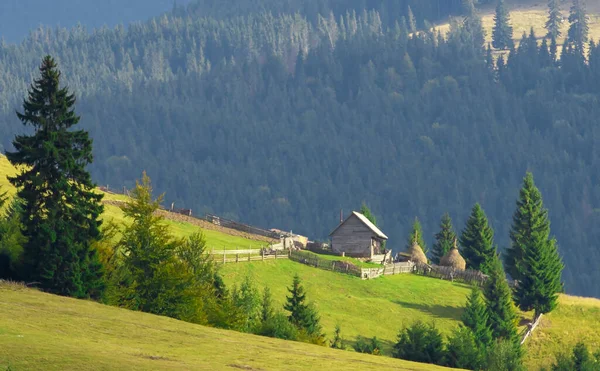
x,y
353,238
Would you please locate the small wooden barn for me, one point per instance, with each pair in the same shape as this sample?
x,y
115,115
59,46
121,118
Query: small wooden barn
x,y
357,237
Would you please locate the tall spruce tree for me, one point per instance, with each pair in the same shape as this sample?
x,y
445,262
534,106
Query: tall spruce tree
x,y
472,24
477,241
416,232
500,307
579,27
61,211
302,315
533,258
444,239
554,19
502,33
476,318
364,209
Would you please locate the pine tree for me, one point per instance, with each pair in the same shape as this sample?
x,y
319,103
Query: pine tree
x,y
579,27
337,342
476,318
554,19
533,258
416,233
61,210
302,315
502,34
477,241
472,24
500,307
267,305
412,23
364,209
462,351
444,239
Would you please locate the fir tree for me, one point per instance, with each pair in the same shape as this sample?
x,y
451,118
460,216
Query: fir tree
x,y
477,241
579,27
412,23
533,258
554,19
364,209
416,233
472,24
302,315
500,307
462,350
502,34
337,342
444,239
267,305
475,317
61,210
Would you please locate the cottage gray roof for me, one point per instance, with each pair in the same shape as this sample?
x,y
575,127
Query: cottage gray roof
x,y
366,222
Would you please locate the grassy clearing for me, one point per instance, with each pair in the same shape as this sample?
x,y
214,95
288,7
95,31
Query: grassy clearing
x,y
45,332
215,239
356,262
382,306
379,307
525,15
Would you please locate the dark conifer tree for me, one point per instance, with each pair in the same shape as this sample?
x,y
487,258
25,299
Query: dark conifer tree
x,y
579,27
444,239
477,241
502,34
472,24
554,19
500,307
60,208
302,315
462,350
533,258
476,318
412,22
364,209
416,232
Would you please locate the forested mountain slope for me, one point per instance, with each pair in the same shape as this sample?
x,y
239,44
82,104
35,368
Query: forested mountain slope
x,y
18,17
280,121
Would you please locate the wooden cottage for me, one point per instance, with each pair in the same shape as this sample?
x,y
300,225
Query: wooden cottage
x,y
357,237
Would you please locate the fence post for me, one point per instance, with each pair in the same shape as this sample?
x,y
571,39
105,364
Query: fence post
x,y
262,252
275,254
248,256
223,255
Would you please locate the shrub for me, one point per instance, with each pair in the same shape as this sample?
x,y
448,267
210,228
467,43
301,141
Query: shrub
x,y
338,341
369,346
580,359
420,343
504,355
278,326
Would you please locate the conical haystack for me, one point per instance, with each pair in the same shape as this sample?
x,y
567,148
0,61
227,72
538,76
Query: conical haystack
x,y
453,259
416,253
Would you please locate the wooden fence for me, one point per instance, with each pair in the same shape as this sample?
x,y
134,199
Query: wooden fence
x,y
330,265
241,227
531,327
469,276
239,256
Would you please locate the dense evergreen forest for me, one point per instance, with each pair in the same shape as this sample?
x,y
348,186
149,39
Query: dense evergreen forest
x,y
281,120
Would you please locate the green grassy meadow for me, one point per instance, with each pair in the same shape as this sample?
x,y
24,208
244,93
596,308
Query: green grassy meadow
x,y
381,307
40,331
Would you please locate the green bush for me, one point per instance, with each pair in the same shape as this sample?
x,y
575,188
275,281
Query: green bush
x,y
580,359
504,355
278,326
369,346
462,350
420,343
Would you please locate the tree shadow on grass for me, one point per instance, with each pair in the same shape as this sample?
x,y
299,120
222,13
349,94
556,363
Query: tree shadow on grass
x,y
435,310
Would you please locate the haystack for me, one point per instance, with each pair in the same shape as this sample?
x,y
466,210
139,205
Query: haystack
x,y
453,259
416,253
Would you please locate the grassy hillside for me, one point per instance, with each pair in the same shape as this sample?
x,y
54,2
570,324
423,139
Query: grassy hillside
x,y
45,332
382,306
215,239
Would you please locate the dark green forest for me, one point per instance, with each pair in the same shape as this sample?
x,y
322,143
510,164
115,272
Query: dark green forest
x,y
281,120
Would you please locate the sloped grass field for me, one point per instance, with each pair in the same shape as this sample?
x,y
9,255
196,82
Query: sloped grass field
x,y
215,240
381,307
40,331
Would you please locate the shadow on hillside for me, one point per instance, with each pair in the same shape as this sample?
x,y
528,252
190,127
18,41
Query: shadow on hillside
x,y
435,310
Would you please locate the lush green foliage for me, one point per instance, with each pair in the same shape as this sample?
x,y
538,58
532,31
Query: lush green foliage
x,y
337,341
60,212
462,350
504,355
500,308
303,315
364,209
477,241
476,318
416,234
369,346
420,343
532,258
444,239
11,240
579,359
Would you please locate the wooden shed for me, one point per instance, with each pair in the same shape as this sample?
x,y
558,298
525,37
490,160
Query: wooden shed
x,y
357,237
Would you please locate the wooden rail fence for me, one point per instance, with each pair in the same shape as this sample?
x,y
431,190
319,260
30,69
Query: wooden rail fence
x,y
224,256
